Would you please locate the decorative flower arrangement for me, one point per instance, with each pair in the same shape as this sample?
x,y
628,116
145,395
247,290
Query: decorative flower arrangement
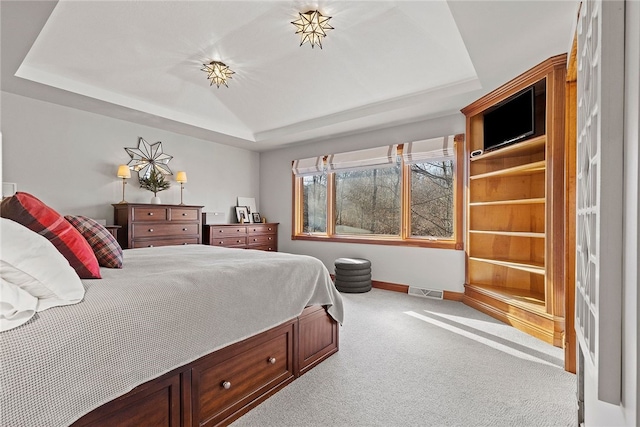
x,y
155,182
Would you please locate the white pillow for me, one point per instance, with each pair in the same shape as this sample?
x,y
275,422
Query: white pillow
x,y
31,262
16,306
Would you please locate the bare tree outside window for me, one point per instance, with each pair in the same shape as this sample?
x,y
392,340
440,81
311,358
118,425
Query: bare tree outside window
x,y
416,201
314,210
368,201
432,186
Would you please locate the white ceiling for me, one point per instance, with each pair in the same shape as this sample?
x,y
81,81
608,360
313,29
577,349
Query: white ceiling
x,y
386,62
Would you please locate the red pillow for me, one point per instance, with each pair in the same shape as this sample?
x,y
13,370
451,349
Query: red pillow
x,y
105,247
27,210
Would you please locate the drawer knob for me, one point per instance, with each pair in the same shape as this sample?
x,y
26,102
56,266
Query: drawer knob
x,y
272,360
185,243
184,229
150,214
150,246
238,241
151,230
184,214
269,228
270,238
226,385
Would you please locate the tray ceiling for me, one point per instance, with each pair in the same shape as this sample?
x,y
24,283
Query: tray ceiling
x,y
385,63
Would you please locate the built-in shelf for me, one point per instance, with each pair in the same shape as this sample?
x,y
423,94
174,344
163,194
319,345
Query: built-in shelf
x,y
530,301
510,233
535,268
534,201
519,149
515,224
516,170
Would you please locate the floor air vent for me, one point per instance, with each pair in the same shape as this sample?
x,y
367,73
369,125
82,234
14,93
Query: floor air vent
x,y
425,293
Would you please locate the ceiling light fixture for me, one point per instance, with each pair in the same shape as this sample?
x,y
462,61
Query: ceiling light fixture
x,y
312,27
217,72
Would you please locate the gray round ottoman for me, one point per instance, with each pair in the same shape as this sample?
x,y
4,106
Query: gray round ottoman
x,y
353,275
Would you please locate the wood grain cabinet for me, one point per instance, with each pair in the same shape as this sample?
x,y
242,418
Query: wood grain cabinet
x,y
262,237
145,225
515,211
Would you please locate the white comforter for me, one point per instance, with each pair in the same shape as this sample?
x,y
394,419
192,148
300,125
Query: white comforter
x,y
168,306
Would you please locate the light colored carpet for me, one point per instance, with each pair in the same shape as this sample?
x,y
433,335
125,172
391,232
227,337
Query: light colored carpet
x,y
409,361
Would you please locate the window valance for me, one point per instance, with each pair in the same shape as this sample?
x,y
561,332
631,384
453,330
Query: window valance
x,y
372,158
429,150
308,166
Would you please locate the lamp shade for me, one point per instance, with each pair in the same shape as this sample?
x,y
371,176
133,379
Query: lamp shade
x,y
181,177
124,171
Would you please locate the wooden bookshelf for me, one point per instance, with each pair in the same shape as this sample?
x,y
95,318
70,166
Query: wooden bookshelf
x,y
514,248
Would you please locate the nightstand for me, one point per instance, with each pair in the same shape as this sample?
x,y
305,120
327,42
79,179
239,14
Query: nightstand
x,y
113,229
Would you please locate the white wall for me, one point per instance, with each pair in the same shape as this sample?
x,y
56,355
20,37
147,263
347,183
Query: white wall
x,y
598,413
423,267
68,158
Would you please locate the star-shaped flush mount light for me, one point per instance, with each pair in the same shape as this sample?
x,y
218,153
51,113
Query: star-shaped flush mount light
x,y
146,157
218,72
312,27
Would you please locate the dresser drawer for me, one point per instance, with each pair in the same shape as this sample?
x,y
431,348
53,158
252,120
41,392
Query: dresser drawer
x,y
221,387
262,229
250,236
152,243
267,248
167,229
149,214
261,239
240,230
229,241
184,214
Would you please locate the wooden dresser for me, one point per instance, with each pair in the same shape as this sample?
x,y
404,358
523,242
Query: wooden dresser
x,y
145,225
262,237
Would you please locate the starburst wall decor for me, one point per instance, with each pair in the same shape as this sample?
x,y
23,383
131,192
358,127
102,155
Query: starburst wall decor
x,y
147,157
312,27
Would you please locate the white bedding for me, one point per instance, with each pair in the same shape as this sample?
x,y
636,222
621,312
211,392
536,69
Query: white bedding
x,y
168,306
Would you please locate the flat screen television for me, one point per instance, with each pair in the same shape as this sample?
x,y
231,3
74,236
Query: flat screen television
x,y
510,121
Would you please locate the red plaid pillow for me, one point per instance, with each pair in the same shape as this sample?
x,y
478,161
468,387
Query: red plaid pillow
x,y
104,245
27,210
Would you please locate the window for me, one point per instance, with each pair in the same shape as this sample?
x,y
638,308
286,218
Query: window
x,y
314,196
431,201
368,201
409,194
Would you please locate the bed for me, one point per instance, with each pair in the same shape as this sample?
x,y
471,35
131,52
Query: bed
x,y
181,335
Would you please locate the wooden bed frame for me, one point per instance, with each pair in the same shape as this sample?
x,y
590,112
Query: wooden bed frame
x,y
222,386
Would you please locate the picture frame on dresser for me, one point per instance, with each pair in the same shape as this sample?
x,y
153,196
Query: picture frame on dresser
x,y
242,215
255,217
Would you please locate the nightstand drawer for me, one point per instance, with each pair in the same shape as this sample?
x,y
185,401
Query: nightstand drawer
x,y
149,214
184,214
